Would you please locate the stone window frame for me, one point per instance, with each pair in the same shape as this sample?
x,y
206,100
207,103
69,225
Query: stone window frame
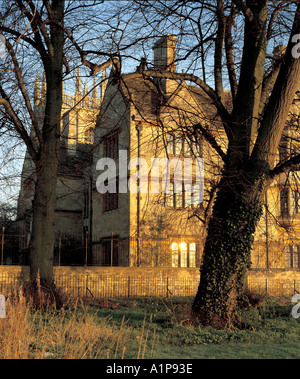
x,y
111,200
177,257
292,256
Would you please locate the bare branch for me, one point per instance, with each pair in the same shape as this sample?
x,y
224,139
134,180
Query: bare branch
x,y
242,6
285,166
22,88
229,52
224,114
19,126
219,49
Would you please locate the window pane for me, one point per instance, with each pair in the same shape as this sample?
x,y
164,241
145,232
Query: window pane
x,y
187,148
178,195
170,196
284,202
288,257
116,146
183,256
170,144
192,255
178,145
196,195
295,257
174,255
179,200
294,202
198,149
282,153
188,195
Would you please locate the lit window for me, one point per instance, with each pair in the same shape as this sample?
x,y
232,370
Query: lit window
x,y
192,255
183,255
175,256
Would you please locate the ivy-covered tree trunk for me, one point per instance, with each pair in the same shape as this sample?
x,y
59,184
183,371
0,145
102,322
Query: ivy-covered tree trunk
x,y
227,251
254,130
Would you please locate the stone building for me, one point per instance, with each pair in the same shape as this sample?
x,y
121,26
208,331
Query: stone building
x,y
137,122
145,119
79,113
152,118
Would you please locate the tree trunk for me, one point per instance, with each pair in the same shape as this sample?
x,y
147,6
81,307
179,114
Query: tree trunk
x,y
227,250
41,288
42,242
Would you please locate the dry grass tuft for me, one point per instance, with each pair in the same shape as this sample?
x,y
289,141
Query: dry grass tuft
x,y
73,333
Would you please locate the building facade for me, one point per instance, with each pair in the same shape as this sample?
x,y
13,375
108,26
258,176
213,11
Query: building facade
x,y
117,141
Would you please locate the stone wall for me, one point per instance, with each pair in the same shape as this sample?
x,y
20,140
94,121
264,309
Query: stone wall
x,y
189,273
97,282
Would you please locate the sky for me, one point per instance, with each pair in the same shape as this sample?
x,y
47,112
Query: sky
x,y
97,30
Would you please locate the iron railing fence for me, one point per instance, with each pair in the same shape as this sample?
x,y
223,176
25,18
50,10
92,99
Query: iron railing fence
x,y
72,250
146,251
96,286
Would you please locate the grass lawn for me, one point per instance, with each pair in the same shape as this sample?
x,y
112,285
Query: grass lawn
x,y
265,332
233,351
147,328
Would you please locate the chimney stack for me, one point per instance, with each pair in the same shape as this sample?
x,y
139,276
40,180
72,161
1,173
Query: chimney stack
x,y
164,59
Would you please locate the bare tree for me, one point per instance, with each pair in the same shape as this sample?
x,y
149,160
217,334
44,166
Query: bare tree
x,y
262,92
35,37
239,33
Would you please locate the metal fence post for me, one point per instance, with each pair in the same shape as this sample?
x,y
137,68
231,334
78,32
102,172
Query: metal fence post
x,y
86,248
111,249
59,248
128,286
2,245
167,287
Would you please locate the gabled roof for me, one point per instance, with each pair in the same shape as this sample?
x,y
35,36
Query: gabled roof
x,y
149,102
